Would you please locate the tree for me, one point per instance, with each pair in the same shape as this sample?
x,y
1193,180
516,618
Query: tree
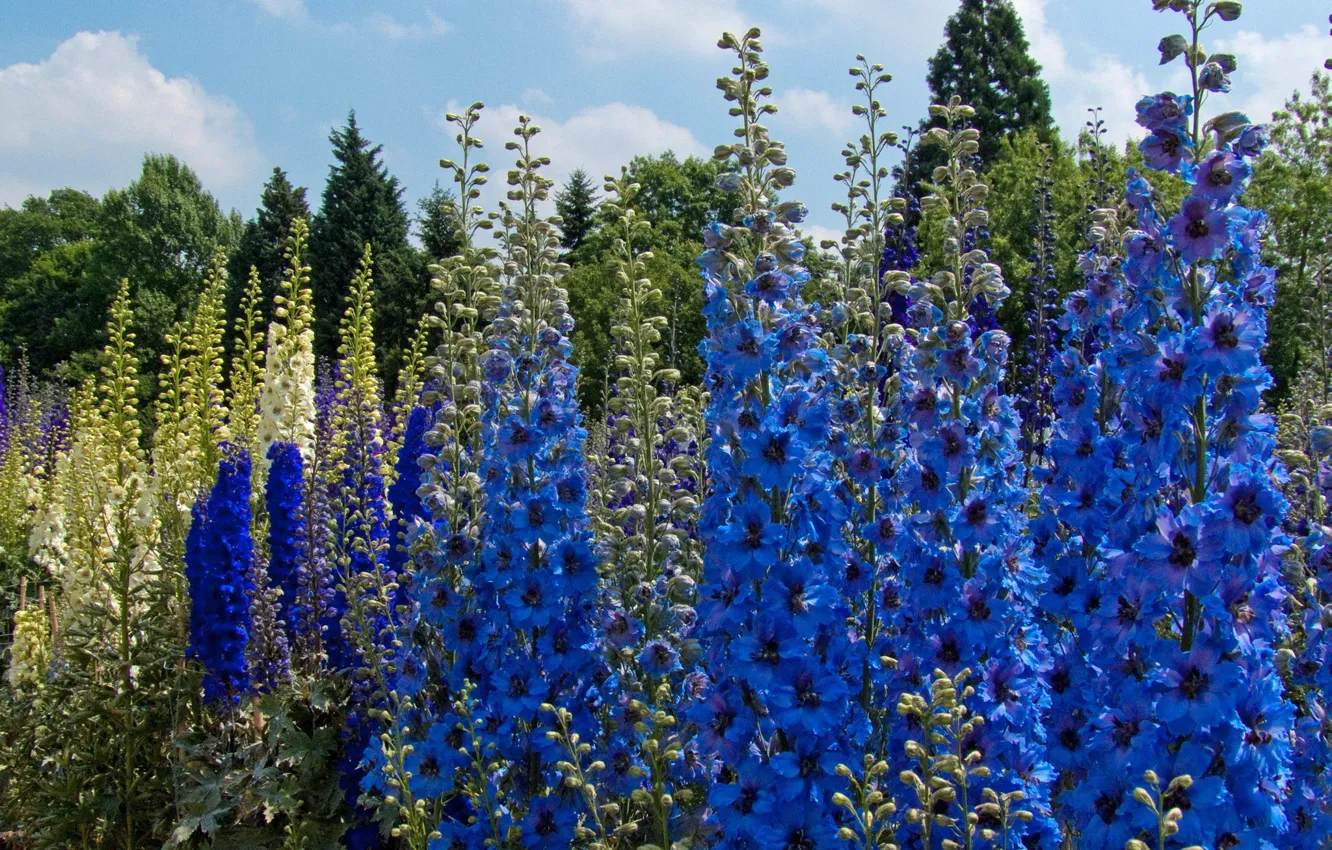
x,y
576,202
437,225
262,239
984,60
161,233
44,251
678,198
362,204
1293,183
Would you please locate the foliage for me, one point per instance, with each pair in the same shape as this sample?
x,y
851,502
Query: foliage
x,y
576,203
825,556
1292,183
984,61
263,238
362,203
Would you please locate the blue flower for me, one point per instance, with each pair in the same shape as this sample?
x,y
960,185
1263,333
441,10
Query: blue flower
x,y
750,539
218,556
549,825
1201,231
1221,176
659,658
773,456
1197,689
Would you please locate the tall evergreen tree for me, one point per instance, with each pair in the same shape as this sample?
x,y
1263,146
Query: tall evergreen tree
x,y
438,225
362,203
984,60
261,240
576,202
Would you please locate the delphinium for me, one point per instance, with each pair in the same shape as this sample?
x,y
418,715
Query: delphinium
x,y
406,395
219,556
1082,474
436,501
866,345
191,419
35,432
859,302
517,623
106,715
646,515
1032,379
1180,614
286,402
1304,439
366,588
969,581
246,377
779,713
323,602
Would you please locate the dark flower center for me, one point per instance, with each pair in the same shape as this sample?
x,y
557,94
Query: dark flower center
x,y
775,451
1182,552
1128,611
767,652
429,767
747,799
1223,332
1197,228
1219,177
545,824
620,763
1124,733
977,512
797,840
929,479
1246,509
1107,807
952,444
1194,683
806,695
979,610
950,652
754,534
1060,681
1178,799
532,596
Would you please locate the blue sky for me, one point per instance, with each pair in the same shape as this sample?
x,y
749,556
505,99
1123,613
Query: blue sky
x,y
235,87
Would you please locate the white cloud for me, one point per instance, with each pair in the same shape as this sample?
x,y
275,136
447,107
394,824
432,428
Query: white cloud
x,y
1093,78
283,8
817,233
597,139
616,27
87,114
535,95
1272,69
393,29
808,109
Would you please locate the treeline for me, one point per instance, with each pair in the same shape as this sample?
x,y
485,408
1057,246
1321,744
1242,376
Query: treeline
x,y
62,256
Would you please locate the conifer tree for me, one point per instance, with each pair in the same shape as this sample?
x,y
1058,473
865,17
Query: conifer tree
x,y
438,225
362,203
576,202
264,238
985,62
